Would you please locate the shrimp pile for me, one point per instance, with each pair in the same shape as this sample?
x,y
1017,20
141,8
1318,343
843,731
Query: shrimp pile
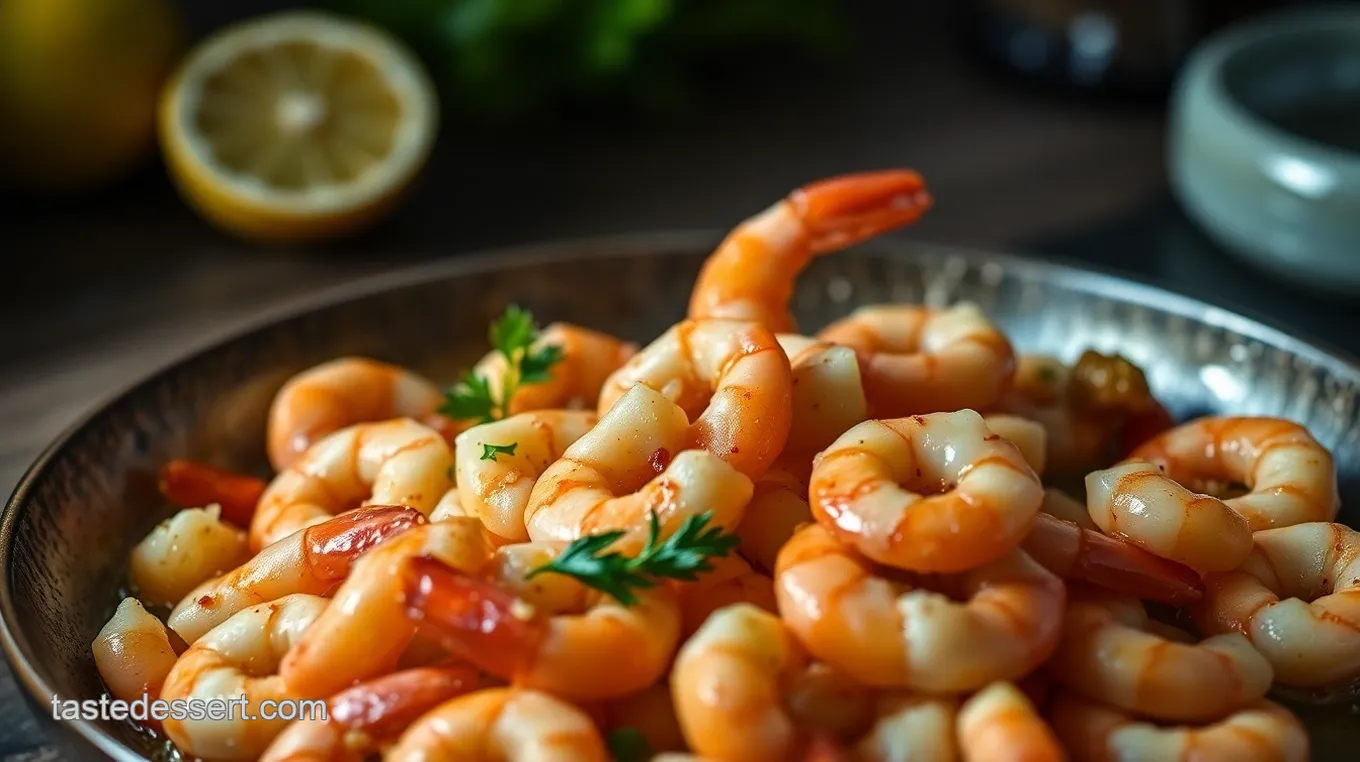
x,y
745,543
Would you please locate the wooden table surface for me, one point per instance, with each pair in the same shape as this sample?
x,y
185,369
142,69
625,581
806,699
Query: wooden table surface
x,y
115,285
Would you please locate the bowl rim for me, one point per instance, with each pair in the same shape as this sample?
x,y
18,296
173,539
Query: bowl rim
x,y
1097,280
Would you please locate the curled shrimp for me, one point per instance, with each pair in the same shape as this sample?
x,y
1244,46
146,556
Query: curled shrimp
x,y
828,392
133,652
628,467
920,360
999,724
889,634
992,495
312,560
397,462
597,648
182,552
1261,732
360,718
586,359
1290,477
910,726
778,506
751,275
1297,599
237,659
366,631
1109,653
498,463
1029,437
731,581
731,378
501,725
340,393
1136,502
196,485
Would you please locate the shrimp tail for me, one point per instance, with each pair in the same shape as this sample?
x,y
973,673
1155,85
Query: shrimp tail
x,y
332,546
473,619
188,484
844,210
1072,552
384,707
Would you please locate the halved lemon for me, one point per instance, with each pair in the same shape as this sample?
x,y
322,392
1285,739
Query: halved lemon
x,y
297,126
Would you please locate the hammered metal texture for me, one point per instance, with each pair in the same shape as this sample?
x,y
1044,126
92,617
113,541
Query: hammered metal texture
x,y
68,529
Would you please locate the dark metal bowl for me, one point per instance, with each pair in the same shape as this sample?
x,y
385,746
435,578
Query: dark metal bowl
x,y
67,530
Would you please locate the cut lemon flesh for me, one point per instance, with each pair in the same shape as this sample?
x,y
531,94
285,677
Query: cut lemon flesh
x,y
297,126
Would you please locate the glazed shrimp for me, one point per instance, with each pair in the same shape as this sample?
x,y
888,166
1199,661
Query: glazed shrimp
x,y
999,724
498,463
728,681
992,495
133,652
1029,437
312,560
1136,502
182,552
828,392
338,394
920,360
502,725
187,484
778,506
237,659
1109,653
731,378
359,719
365,632
731,581
1291,477
626,468
751,275
885,633
1297,598
397,462
587,359
1262,732
596,649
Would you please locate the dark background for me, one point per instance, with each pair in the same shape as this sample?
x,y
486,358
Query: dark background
x,y
106,287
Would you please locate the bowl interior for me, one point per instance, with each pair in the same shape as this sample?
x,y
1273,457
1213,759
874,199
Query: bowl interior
x,y
69,527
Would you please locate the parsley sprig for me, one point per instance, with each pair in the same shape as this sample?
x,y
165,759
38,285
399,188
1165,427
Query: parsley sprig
x,y
682,556
512,335
627,744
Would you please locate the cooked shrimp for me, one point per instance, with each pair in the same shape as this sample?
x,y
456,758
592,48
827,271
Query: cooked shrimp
x,y
599,650
1109,653
867,489
1297,598
187,484
731,581
182,551
1060,505
629,466
828,393
911,727
728,681
778,506
237,659
313,560
502,725
359,719
587,359
1029,437
337,394
920,360
1076,553
885,633
999,724
650,713
1262,732
830,704
397,462
731,378
498,463
1291,477
751,275
133,652
365,632
1136,502
450,506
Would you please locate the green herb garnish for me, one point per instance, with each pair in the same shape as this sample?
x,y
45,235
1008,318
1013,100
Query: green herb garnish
x,y
628,745
490,451
683,556
512,335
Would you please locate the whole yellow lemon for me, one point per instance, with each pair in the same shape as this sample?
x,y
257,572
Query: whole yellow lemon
x,y
79,83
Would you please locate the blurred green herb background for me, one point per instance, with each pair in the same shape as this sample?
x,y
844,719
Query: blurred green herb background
x,y
501,59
